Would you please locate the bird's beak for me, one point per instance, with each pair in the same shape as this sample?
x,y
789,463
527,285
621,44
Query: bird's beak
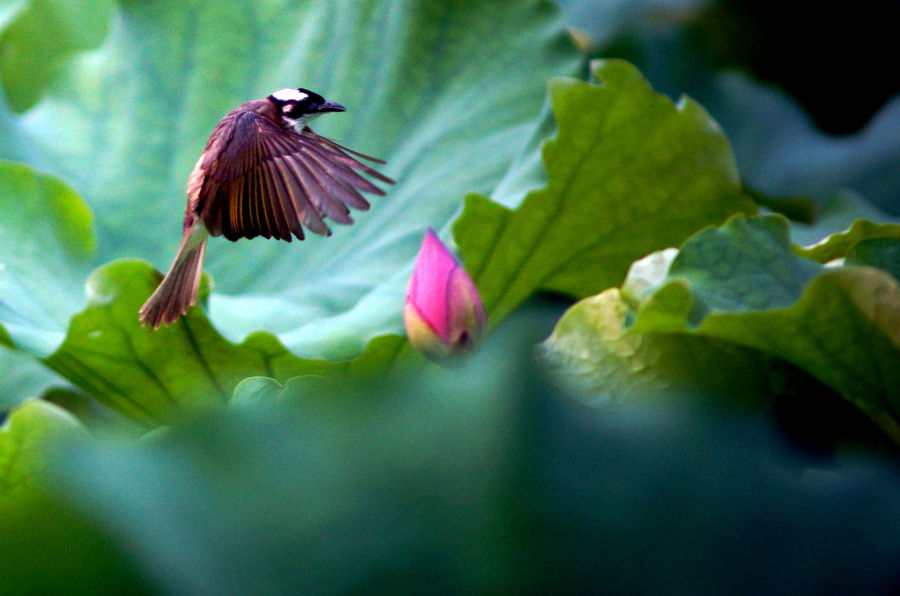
x,y
330,106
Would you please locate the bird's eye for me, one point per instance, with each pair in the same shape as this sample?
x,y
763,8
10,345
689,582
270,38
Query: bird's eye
x,y
295,109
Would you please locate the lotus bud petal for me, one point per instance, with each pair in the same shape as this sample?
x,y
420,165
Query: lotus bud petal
x,y
444,315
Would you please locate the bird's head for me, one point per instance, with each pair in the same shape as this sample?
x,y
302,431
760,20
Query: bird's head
x,y
297,107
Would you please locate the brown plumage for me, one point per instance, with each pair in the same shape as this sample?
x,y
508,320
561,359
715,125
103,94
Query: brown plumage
x,y
263,173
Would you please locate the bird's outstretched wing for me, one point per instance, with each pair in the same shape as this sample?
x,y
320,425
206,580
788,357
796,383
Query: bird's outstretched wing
x,y
273,184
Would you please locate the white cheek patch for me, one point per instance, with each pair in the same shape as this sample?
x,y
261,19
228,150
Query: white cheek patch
x,y
289,95
296,123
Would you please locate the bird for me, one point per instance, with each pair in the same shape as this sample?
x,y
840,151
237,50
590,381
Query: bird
x,y
264,172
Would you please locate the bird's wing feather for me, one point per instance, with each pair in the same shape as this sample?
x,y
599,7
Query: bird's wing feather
x,y
270,183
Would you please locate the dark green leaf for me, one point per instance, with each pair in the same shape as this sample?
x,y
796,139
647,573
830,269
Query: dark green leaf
x,y
49,548
478,479
781,153
742,283
883,253
779,150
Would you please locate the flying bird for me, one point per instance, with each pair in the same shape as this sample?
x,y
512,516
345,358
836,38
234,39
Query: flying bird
x,y
264,172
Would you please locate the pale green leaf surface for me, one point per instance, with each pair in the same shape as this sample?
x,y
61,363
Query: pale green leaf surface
x,y
21,377
24,441
10,10
629,173
602,20
45,255
36,36
647,274
47,250
448,93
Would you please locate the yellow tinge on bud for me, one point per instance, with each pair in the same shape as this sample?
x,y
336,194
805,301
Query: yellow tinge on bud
x,y
444,315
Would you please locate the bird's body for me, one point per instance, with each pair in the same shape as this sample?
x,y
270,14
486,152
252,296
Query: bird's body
x,y
263,172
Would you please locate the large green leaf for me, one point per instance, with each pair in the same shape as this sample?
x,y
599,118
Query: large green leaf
x,y
447,92
719,321
593,352
36,36
21,377
743,284
629,173
48,243
47,247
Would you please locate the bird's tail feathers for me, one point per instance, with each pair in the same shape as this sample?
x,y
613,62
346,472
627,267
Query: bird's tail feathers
x,y
178,289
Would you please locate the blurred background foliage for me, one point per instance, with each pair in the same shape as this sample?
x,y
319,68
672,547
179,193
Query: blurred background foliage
x,y
785,82
481,478
495,476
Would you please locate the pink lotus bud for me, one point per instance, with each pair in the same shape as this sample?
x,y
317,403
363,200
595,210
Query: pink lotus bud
x,y
444,315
